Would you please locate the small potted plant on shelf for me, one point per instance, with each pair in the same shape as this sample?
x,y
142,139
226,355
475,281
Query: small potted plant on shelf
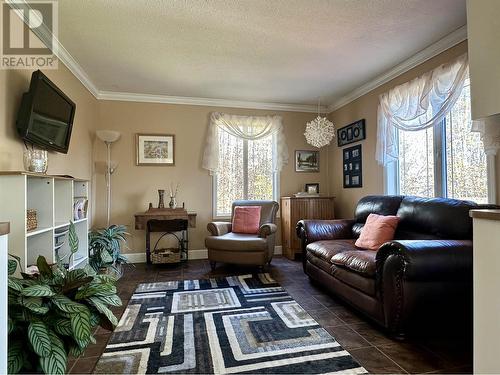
x,y
53,313
105,250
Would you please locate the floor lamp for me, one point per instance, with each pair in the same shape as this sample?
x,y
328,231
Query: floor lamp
x,y
108,137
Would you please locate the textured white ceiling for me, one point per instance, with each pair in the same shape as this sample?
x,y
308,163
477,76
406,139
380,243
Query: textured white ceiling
x,y
277,51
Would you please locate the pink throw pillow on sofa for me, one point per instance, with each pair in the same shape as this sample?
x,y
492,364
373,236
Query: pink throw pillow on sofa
x,y
246,219
377,230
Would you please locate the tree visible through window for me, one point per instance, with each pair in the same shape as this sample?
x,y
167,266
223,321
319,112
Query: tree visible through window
x,y
245,171
447,160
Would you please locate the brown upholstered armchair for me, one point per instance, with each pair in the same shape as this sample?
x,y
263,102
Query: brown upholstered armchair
x,y
253,249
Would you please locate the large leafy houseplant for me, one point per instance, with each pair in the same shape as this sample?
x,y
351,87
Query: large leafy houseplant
x,y
53,313
105,248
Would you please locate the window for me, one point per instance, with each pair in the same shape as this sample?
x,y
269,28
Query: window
x,y
445,161
245,172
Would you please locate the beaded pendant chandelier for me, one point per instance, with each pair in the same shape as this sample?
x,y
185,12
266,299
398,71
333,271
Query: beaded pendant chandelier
x,y
320,131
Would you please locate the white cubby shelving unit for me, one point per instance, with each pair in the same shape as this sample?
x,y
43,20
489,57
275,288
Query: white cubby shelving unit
x,y
53,199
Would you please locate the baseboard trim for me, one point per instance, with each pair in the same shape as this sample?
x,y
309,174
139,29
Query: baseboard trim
x,y
193,255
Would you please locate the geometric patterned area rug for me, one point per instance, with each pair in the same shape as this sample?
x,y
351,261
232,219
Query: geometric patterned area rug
x,y
239,324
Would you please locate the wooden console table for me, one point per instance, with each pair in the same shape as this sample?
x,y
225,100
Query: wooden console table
x,y
172,216
294,209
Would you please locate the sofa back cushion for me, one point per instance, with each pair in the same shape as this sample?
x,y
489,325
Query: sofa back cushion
x,y
378,230
435,217
246,219
374,204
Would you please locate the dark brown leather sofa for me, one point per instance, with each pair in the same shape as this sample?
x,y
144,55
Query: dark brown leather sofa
x,y
424,275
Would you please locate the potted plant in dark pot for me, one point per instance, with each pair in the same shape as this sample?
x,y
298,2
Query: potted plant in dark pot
x,y
53,313
105,250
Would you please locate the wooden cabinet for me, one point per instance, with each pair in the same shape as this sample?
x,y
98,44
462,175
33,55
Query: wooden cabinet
x,y
295,209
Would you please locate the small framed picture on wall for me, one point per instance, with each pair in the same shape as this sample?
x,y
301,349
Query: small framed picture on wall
x,y
155,149
306,161
352,167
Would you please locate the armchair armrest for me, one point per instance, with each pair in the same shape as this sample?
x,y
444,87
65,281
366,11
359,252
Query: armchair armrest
x,y
219,228
315,230
430,259
267,229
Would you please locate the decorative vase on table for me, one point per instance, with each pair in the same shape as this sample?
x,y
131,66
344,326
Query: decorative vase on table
x,y
161,195
172,203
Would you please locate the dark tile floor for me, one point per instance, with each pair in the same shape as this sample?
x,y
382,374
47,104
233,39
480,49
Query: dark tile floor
x,y
367,343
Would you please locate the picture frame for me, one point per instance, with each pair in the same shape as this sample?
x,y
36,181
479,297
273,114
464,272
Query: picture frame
x,y
351,133
352,167
155,149
312,188
307,161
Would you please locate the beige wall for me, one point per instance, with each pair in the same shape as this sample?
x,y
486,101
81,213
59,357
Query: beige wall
x,y
78,161
135,186
483,29
366,107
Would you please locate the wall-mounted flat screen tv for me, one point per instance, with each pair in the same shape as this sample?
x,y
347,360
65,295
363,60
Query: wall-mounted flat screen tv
x,y
45,118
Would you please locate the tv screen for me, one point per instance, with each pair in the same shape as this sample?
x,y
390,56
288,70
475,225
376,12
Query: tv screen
x,y
46,115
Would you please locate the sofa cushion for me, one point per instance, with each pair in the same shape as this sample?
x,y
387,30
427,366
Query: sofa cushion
x,y
378,230
360,261
377,204
353,279
246,219
328,248
236,242
440,217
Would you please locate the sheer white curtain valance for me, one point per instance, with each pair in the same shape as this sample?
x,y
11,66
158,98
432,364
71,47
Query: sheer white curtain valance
x,y
418,104
251,128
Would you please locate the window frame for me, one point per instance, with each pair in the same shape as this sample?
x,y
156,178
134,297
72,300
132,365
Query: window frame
x,y
391,170
275,178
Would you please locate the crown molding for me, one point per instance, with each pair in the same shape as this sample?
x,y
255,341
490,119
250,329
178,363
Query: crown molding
x,y
148,98
46,36
67,59
435,49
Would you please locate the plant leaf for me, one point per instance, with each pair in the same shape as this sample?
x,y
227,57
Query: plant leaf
x,y
12,266
97,290
14,284
43,267
67,305
72,238
38,290
80,324
38,335
104,310
15,357
55,363
112,300
10,325
63,327
35,304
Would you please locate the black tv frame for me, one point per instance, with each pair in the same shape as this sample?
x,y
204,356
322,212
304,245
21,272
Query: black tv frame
x,y
25,114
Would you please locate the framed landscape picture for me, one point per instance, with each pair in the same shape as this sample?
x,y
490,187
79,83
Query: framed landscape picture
x,y
155,149
306,161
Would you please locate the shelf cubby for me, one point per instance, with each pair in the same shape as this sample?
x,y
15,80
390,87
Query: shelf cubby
x,y
53,198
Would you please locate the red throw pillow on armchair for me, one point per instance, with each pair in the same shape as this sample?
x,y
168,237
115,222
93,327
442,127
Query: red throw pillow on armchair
x,y
246,219
377,230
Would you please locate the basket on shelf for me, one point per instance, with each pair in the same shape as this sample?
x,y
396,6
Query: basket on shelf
x,y
164,256
31,220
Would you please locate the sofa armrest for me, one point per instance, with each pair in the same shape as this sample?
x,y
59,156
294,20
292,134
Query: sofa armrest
x,y
267,229
219,228
421,279
316,230
430,259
